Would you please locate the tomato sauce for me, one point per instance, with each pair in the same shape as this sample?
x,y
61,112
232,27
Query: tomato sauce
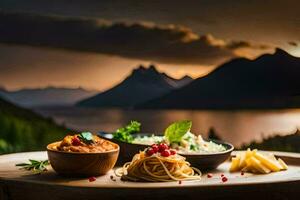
x,y
72,143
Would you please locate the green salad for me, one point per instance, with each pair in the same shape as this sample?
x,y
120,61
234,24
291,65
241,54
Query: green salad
x,y
177,136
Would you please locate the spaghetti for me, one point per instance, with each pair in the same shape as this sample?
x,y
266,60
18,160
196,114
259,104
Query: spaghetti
x,y
158,168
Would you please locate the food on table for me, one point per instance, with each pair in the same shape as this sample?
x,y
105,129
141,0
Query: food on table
x,y
158,163
187,142
257,162
83,154
84,142
177,135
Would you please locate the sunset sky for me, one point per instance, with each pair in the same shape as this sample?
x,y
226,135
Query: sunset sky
x,y
95,44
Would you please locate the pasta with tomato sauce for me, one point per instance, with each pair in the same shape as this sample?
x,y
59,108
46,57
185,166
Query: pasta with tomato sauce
x,y
158,166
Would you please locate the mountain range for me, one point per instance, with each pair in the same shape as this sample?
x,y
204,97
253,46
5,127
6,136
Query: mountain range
x,y
142,85
269,81
49,96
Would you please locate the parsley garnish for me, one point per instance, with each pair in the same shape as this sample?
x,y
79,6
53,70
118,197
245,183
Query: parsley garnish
x,y
124,134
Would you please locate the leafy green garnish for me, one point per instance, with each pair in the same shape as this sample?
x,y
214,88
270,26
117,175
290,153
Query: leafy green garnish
x,y
194,147
124,134
34,166
177,130
86,137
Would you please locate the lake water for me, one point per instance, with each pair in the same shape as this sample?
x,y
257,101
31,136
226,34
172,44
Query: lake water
x,y
236,127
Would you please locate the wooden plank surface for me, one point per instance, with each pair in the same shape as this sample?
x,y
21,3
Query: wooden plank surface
x,y
18,184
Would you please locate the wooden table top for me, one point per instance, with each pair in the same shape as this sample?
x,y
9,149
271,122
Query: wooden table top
x,y
19,184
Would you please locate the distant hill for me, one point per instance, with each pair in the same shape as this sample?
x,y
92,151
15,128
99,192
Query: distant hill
x,y
49,96
142,85
24,130
3,92
269,81
290,142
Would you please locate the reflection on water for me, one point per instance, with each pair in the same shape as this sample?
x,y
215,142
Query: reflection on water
x,y
236,127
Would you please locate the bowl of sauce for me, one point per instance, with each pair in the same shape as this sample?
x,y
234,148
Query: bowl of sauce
x,y
82,154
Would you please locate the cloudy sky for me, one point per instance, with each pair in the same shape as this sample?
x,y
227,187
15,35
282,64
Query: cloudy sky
x,y
95,44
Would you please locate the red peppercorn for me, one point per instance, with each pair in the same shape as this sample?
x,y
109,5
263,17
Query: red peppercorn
x,y
222,175
179,182
173,152
162,147
150,152
224,179
76,141
165,153
209,175
91,179
242,173
155,148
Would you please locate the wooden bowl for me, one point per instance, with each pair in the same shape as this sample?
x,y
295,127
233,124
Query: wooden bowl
x,y
203,161
82,164
208,161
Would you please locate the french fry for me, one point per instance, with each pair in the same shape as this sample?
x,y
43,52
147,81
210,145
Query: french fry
x,y
250,167
234,164
256,162
272,165
259,166
283,164
249,153
242,163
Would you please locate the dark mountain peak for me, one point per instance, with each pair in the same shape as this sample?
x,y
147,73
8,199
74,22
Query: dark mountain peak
x,y
269,80
141,68
186,77
152,68
279,56
143,71
281,52
144,84
152,74
259,66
